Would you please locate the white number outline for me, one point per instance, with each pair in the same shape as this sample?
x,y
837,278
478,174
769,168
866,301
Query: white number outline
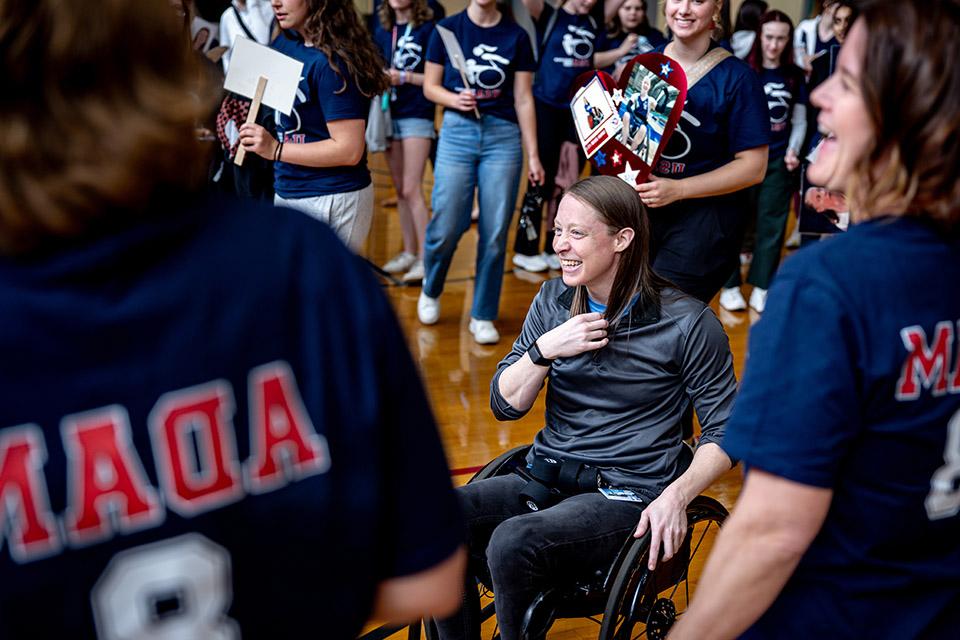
x,y
943,501
191,566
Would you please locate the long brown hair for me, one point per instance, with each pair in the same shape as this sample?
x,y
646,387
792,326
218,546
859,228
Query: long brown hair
x,y
618,206
910,83
420,12
98,113
788,68
335,28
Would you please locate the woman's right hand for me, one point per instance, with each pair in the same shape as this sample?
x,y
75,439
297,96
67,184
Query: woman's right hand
x,y
465,100
585,332
628,43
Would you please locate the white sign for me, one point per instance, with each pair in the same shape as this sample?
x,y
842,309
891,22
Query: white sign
x,y
250,61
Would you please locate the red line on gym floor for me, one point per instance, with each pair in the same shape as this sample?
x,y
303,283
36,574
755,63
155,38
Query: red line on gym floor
x,y
465,470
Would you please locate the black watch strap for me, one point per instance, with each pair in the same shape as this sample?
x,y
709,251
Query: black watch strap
x,y
537,357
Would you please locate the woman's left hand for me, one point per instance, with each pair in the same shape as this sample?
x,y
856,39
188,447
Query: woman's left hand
x,y
659,192
666,518
535,170
255,139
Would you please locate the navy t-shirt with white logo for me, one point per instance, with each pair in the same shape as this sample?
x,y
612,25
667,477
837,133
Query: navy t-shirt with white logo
x,y
783,92
725,113
323,96
492,56
852,383
405,48
567,52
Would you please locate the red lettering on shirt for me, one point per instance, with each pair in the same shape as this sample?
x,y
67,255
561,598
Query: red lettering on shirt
x,y
107,486
927,366
25,514
284,445
195,448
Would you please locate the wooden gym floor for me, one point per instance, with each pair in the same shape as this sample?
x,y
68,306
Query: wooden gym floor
x,y
457,371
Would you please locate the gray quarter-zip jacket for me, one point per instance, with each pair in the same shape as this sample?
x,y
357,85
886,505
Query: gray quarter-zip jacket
x,y
619,408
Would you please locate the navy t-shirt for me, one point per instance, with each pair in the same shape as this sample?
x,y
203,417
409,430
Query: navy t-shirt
x,y
317,103
567,52
725,113
853,383
410,55
783,92
492,56
206,445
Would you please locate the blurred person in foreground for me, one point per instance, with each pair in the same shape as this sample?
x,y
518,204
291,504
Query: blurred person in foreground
x,y
194,442
848,420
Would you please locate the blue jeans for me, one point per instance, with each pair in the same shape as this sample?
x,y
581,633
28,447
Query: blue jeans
x,y
471,153
523,553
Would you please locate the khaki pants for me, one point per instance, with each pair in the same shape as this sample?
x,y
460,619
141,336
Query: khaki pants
x,y
348,214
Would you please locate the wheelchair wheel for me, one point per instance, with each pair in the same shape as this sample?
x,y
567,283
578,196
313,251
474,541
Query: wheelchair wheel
x,y
502,464
644,604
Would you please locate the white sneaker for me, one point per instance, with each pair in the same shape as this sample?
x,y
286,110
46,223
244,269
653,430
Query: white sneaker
x,y
758,299
416,272
732,300
484,332
428,309
793,241
552,260
534,264
400,262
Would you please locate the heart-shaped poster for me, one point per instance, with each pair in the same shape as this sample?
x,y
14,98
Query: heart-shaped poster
x,y
624,126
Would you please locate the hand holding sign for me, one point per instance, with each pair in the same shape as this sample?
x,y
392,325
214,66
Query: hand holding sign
x,y
624,127
264,75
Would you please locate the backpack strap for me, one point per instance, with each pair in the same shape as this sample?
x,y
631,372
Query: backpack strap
x,y
243,25
705,65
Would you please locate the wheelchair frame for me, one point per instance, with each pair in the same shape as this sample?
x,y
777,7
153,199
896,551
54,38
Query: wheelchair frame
x,y
629,594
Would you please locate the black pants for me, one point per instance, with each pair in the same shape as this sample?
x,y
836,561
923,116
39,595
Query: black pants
x,y
554,127
524,553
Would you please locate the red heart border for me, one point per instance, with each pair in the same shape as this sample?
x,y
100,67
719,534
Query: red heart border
x,y
663,67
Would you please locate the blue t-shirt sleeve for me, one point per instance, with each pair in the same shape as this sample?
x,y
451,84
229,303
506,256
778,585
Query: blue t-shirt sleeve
x,y
797,411
348,104
436,52
750,118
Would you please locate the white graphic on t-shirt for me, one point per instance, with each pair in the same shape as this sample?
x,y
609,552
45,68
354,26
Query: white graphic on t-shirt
x,y
578,45
294,115
489,75
687,144
943,501
408,54
778,101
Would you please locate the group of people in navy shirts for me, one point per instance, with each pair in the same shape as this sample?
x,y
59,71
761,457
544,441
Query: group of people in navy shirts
x,y
510,95
211,425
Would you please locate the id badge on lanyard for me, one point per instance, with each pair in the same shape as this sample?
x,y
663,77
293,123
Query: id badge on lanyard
x,y
393,57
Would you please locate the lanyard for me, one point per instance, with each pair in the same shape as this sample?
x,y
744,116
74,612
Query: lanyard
x,y
393,54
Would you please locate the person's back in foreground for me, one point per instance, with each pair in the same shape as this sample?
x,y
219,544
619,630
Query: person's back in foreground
x,y
206,424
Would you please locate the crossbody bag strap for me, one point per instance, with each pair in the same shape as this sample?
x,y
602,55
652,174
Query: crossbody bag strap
x,y
705,65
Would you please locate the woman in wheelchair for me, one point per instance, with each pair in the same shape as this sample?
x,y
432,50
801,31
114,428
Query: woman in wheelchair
x,y
625,352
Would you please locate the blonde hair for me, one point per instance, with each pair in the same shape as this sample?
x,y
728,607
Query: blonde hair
x,y
99,113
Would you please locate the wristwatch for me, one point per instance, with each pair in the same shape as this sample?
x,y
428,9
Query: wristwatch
x,y
537,357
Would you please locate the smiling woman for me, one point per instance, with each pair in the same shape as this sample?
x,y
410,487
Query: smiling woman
x,y
622,348
851,448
